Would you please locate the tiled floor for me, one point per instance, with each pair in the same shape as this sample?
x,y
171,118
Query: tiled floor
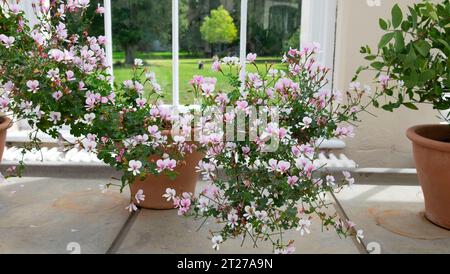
x,y
45,215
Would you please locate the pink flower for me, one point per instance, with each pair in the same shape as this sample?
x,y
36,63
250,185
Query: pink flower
x,y
141,102
57,95
251,57
139,196
33,86
153,130
222,99
216,66
166,164
100,9
208,89
170,194
82,86
15,9
102,40
90,103
70,76
296,151
8,86
242,105
384,80
273,165
132,207
128,84
7,41
55,117
349,178
344,132
283,167
56,54
38,38
84,4
4,102
293,180
210,191
197,80
135,166
61,31
232,219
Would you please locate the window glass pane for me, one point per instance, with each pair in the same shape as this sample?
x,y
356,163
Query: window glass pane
x,y
273,27
143,29
208,29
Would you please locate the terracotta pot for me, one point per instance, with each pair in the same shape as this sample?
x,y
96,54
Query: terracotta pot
x,y
5,124
155,186
431,146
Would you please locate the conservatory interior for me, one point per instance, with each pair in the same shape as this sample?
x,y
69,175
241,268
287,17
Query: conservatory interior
x,y
72,200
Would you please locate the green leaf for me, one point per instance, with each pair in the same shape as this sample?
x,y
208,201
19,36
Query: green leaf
x,y
383,24
386,39
413,17
370,57
411,106
399,41
377,65
422,47
397,16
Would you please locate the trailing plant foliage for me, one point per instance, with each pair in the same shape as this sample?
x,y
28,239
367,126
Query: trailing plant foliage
x,y
411,60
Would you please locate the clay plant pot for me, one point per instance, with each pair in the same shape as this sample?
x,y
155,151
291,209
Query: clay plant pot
x,y
155,186
431,146
5,124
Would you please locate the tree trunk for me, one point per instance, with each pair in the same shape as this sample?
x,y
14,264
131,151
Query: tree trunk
x,y
213,52
129,55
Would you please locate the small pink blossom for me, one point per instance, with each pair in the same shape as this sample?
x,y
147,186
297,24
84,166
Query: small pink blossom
x,y
216,66
293,180
57,95
132,207
55,117
139,197
166,164
141,102
70,75
100,9
251,57
56,54
170,194
135,166
33,86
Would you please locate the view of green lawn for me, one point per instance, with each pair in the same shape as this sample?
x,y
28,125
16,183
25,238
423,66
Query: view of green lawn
x,y
161,65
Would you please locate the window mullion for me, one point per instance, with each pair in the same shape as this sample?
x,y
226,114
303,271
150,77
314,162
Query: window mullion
x,y
175,54
243,37
108,34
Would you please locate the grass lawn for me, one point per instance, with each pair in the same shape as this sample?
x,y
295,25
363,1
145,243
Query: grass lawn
x,y
162,66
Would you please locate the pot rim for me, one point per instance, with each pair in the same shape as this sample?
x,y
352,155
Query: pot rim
x,y
426,142
5,123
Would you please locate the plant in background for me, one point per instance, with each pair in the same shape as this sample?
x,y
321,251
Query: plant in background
x,y
219,28
412,68
52,78
411,62
274,180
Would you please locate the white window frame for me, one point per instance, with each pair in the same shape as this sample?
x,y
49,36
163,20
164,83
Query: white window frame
x,y
318,25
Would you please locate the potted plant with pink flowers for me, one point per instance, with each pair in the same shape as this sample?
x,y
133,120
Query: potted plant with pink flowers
x,y
272,180
52,78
